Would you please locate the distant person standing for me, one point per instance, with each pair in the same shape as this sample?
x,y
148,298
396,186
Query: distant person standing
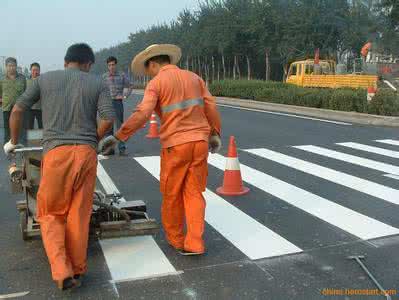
x,y
119,87
12,86
35,113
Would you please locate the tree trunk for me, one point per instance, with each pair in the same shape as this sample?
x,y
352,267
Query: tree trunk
x,y
224,67
238,67
213,68
267,52
199,67
187,66
285,69
234,68
207,73
218,72
249,68
193,64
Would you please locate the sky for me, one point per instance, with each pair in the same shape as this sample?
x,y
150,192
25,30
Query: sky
x,y
42,30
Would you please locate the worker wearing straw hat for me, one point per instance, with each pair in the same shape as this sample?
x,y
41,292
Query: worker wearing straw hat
x,y
190,127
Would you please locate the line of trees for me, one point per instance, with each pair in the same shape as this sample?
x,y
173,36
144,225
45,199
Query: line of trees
x,y
258,38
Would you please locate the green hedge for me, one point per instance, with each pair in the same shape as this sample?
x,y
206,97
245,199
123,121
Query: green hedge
x,y
386,102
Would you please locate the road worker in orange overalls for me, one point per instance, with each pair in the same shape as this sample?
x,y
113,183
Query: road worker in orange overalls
x,y
190,127
71,99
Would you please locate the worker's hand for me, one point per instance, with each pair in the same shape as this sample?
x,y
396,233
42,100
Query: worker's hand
x,y
10,147
107,144
215,143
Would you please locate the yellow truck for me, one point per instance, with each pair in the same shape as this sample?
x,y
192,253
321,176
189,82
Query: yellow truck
x,y
304,73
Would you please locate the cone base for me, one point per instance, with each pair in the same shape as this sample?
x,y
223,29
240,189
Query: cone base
x,y
221,191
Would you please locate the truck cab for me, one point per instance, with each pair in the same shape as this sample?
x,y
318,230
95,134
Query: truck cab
x,y
299,69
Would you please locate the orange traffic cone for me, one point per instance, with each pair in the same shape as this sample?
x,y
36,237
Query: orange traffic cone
x,y
153,130
232,182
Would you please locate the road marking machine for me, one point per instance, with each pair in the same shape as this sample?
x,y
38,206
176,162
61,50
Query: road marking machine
x,y
112,216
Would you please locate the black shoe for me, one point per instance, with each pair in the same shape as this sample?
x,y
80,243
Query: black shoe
x,y
78,278
66,284
190,253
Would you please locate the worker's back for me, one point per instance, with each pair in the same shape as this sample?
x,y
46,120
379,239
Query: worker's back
x,y
181,106
70,100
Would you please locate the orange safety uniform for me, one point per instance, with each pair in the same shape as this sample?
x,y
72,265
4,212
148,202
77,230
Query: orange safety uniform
x,y
65,200
365,49
188,117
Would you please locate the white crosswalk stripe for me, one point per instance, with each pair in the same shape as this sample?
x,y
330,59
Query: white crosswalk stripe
x,y
364,162
362,185
389,142
371,149
335,214
392,176
252,238
132,258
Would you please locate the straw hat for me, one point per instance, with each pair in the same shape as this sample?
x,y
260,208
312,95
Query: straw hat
x,y
173,51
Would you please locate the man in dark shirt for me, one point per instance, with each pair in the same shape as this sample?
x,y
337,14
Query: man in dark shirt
x,y
119,87
71,100
36,110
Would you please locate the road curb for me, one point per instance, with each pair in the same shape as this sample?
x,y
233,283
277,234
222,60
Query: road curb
x,y
342,116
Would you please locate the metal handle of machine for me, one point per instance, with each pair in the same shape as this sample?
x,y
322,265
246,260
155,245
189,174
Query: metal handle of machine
x,y
111,208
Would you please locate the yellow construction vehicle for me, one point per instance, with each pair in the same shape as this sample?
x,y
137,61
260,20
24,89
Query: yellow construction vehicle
x,y
306,73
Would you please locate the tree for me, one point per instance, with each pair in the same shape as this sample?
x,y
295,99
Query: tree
x,y
260,38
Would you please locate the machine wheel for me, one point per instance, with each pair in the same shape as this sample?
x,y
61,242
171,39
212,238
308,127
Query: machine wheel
x,y
23,223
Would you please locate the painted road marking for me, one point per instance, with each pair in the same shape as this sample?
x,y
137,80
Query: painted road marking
x,y
392,176
372,149
364,162
106,181
251,237
285,114
135,258
132,258
362,185
14,295
389,142
344,218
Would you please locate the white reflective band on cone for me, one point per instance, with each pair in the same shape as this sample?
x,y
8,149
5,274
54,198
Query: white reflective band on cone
x,y
232,164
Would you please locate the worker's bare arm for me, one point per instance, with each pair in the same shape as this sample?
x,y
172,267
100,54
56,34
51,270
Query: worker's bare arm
x,y
103,127
16,119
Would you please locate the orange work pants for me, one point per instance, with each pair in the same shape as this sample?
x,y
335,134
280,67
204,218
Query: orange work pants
x,y
184,171
64,207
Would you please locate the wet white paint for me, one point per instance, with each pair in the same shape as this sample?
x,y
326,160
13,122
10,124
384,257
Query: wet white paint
x,y
132,258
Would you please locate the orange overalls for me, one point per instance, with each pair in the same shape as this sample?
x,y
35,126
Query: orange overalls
x,y
188,116
65,199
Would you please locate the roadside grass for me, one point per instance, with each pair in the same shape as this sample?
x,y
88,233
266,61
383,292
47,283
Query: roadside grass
x,y
385,102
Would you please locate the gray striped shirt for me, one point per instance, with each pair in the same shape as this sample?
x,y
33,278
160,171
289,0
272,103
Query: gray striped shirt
x,y
71,100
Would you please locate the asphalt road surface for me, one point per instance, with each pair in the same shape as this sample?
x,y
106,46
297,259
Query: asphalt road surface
x,y
320,192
